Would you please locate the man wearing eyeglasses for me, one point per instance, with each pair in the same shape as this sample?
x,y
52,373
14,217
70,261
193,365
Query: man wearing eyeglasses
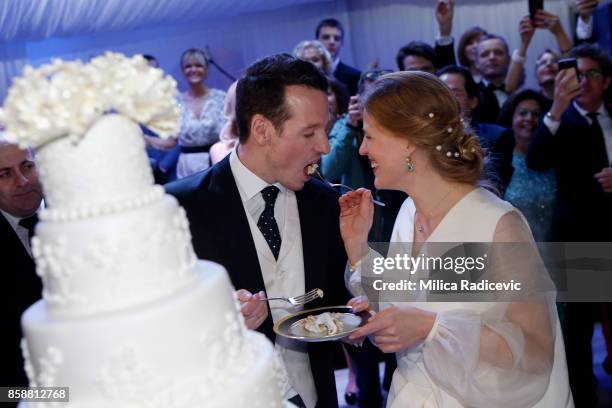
x,y
575,139
331,33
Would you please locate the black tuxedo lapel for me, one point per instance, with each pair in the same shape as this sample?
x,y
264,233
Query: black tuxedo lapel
x,y
594,141
348,75
488,107
231,226
314,238
20,288
574,117
315,222
234,228
11,243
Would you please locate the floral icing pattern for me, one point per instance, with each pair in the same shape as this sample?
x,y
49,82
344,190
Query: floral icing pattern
x,y
64,99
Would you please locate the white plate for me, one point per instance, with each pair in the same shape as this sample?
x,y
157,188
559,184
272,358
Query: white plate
x,y
292,327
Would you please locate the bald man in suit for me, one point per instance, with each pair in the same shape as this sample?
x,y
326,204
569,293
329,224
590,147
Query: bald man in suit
x,y
20,199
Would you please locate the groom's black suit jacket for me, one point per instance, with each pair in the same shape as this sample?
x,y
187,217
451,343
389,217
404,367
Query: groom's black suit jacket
x,y
583,212
20,288
220,233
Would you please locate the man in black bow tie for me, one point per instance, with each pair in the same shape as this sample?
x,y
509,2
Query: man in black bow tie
x,y
20,199
493,60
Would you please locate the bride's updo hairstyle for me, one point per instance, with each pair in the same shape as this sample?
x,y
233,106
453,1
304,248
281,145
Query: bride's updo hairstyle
x,y
419,107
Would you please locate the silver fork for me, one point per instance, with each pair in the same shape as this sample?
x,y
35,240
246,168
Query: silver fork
x,y
302,299
329,183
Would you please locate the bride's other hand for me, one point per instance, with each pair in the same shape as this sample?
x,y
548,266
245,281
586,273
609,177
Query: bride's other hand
x,y
359,304
356,214
397,328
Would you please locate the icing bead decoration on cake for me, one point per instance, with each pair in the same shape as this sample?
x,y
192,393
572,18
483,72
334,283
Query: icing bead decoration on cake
x,y
66,98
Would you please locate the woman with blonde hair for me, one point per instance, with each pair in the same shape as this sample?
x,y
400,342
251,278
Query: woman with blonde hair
x,y
502,348
314,52
201,117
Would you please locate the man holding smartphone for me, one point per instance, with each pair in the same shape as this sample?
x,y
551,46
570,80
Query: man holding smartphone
x,y
575,139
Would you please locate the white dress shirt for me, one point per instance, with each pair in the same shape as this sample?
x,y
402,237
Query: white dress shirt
x,y
283,277
604,121
22,232
334,64
584,30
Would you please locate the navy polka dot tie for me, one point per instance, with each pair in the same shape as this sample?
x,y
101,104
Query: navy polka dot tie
x,y
267,223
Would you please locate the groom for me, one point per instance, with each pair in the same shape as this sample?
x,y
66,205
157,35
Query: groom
x,y
260,215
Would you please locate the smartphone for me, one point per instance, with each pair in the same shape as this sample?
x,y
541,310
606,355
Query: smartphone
x,y
570,63
534,6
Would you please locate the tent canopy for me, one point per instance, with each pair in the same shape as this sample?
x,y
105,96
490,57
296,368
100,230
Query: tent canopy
x,y
240,31
40,19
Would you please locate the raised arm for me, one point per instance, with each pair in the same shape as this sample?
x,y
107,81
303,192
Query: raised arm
x,y
444,44
516,72
342,142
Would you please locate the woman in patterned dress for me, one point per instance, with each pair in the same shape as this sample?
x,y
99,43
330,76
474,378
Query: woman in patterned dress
x,y
201,115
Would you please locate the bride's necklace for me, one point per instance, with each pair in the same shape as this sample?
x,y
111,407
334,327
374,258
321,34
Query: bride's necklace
x,y
420,227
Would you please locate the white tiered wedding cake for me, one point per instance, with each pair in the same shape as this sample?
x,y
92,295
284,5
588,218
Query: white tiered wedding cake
x,y
129,318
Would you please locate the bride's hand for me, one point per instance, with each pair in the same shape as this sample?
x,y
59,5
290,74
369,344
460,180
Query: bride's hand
x,y
356,214
397,328
359,304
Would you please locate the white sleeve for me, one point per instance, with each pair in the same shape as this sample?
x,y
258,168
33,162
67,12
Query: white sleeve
x,y
584,30
552,125
500,355
444,40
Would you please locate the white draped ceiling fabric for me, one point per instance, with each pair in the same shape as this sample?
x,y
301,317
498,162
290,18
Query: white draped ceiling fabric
x,y
238,31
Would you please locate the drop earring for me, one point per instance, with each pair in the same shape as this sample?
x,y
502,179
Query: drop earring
x,y
409,164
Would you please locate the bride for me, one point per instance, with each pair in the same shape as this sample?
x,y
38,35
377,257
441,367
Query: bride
x,y
503,353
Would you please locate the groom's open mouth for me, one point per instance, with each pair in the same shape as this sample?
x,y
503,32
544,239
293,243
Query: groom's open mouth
x,y
311,168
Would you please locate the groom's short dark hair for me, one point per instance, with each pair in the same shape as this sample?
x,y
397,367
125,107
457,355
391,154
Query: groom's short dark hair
x,y
262,89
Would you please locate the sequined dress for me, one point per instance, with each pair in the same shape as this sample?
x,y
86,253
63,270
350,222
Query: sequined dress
x,y
533,193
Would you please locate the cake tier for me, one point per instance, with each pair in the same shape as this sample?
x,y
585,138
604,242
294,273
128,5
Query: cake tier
x,y
115,261
188,350
107,168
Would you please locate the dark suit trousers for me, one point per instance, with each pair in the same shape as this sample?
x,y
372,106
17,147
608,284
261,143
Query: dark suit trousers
x,y
580,319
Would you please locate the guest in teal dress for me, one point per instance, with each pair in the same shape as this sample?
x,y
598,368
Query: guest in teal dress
x,y
532,192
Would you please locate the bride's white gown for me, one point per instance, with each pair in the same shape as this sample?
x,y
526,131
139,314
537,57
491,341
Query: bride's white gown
x,y
446,369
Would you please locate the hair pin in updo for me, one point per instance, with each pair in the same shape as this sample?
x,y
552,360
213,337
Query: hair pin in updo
x,y
431,115
449,129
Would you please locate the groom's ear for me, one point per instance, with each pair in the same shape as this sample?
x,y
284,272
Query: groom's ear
x,y
261,129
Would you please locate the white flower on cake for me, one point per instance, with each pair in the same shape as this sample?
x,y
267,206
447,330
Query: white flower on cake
x,y
66,98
